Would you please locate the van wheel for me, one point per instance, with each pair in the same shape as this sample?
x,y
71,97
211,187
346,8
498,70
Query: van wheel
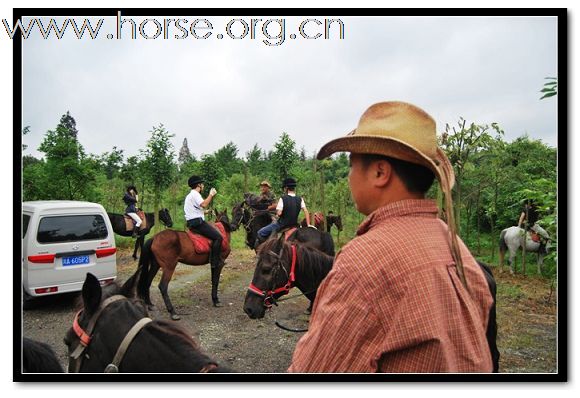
x,y
27,301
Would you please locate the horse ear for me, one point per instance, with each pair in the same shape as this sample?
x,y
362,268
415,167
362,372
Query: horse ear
x,y
129,288
91,293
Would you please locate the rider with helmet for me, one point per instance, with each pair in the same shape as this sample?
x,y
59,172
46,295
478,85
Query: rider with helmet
x,y
131,198
287,209
193,207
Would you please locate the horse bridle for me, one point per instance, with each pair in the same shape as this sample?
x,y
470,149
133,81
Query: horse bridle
x,y
270,295
85,336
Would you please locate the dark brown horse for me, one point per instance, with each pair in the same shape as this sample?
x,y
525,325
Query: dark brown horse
x,y
104,322
331,220
314,238
169,247
120,228
39,357
252,220
280,266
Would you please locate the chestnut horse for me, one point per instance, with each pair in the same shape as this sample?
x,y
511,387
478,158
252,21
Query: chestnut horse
x,y
169,247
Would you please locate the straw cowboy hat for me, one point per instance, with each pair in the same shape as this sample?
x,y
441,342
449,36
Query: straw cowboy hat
x,y
266,183
406,132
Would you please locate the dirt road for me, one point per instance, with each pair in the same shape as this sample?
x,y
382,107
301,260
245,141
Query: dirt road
x,y
526,318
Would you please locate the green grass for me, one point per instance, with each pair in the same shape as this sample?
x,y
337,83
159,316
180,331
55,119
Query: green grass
x,y
509,291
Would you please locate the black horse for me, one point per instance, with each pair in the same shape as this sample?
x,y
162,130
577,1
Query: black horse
x,y
107,316
120,228
38,357
314,238
331,220
491,332
252,220
282,265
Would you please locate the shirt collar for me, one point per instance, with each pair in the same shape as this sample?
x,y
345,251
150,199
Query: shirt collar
x,y
410,207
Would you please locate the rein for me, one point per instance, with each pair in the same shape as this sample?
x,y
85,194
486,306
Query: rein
x,y
269,295
85,337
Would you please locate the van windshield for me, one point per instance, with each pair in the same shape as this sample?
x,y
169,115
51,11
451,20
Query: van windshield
x,y
59,229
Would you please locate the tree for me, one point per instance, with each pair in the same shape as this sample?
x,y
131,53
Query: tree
x,y
227,159
463,146
67,171
112,162
70,124
210,172
255,160
284,156
158,162
185,155
550,88
25,131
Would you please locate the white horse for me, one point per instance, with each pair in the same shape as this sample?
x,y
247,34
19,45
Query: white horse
x,y
512,239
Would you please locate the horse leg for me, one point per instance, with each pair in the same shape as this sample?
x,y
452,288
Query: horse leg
x,y
152,272
215,281
163,285
512,261
138,246
540,263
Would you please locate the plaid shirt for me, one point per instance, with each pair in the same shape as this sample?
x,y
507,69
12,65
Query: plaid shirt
x,y
393,301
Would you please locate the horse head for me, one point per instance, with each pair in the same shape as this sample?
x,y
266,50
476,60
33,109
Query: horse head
x,y
238,215
165,217
104,304
271,273
222,217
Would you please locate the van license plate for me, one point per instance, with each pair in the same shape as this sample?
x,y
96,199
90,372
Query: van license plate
x,y
75,260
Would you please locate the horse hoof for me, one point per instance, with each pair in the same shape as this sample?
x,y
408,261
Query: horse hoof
x,y
217,304
175,317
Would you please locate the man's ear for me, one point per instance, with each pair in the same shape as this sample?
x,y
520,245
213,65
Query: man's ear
x,y
382,172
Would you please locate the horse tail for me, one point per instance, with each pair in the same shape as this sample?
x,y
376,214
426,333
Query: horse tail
x,y
144,269
502,247
327,244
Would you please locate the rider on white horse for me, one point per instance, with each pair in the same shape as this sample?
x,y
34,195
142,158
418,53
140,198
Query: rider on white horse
x,y
528,221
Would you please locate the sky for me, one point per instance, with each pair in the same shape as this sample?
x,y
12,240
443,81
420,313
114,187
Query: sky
x,y
212,91
487,70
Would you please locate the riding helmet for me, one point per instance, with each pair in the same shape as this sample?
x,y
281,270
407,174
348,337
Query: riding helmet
x,y
194,180
289,182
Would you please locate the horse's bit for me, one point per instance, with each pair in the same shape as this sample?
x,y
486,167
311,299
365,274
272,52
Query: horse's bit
x,y
269,295
86,335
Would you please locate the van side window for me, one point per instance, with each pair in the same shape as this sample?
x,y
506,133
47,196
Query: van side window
x,y
25,221
59,229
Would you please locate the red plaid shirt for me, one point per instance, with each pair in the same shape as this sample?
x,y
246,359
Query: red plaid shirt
x,y
393,301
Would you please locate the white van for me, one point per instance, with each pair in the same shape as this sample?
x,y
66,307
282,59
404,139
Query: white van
x,y
61,242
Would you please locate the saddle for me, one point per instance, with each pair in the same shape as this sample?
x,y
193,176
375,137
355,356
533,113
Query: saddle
x,y
130,224
287,232
202,245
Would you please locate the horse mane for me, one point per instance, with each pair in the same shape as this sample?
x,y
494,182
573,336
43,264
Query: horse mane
x,y
319,263
39,357
176,336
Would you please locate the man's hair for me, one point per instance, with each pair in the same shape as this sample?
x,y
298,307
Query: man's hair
x,y
416,178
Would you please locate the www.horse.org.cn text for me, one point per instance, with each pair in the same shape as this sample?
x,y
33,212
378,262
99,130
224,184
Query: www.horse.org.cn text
x,y
271,32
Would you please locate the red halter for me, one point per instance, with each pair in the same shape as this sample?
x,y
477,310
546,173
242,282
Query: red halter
x,y
282,290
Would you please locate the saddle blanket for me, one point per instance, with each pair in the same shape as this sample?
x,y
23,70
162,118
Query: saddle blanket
x,y
130,224
535,236
202,245
288,232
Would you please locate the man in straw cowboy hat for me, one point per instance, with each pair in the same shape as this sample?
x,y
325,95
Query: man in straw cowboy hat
x,y
405,295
